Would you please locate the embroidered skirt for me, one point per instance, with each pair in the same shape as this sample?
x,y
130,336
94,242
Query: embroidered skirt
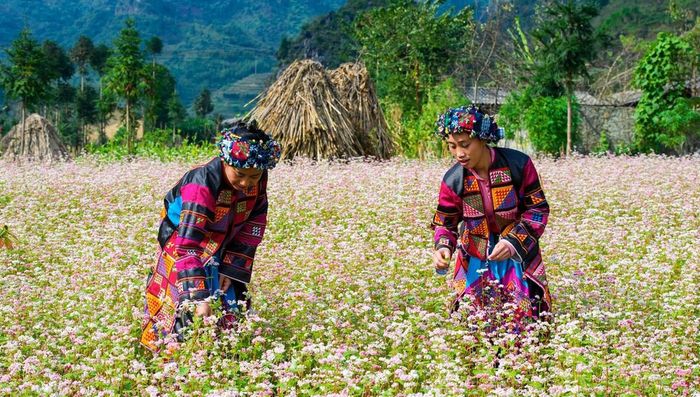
x,y
162,316
475,277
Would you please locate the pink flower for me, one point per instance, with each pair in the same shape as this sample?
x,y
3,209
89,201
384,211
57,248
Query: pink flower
x,y
683,372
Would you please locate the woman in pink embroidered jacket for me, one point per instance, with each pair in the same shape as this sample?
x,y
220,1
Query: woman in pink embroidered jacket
x,y
213,219
491,211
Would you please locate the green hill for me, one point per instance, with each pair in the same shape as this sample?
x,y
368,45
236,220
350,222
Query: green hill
x,y
231,46
207,44
643,19
327,36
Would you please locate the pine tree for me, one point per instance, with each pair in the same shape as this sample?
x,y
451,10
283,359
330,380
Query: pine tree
x,y
81,53
58,63
203,105
98,62
176,112
126,76
154,47
160,88
25,78
568,43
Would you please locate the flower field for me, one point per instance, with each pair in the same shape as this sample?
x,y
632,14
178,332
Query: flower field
x,y
345,299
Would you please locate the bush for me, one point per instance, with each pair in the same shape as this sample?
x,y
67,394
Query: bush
x,y
679,127
603,145
70,132
544,118
418,138
198,130
157,144
6,124
546,124
511,116
162,137
661,111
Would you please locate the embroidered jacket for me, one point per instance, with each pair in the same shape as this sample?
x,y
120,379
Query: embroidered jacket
x,y
203,214
519,204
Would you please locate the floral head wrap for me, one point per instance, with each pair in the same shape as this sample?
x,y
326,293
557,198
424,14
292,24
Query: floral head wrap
x,y
468,120
244,145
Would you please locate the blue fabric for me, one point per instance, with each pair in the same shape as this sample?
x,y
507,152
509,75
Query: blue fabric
x,y
477,267
212,271
174,210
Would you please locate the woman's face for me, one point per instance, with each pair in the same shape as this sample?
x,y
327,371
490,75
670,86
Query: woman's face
x,y
242,178
466,150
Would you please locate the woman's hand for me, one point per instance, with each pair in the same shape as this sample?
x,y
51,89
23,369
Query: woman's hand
x,y
202,310
501,251
441,258
224,283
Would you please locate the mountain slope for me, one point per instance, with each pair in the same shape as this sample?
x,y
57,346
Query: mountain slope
x,y
207,44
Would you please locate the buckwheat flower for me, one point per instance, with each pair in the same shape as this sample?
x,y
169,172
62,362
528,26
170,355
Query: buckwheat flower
x,y
30,365
152,391
257,340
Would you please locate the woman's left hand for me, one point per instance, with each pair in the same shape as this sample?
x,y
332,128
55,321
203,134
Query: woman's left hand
x,y
224,283
500,252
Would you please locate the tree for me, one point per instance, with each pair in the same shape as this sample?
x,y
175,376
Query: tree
x,y
98,58
106,105
126,76
154,47
98,62
58,64
418,139
568,42
176,112
203,105
81,54
64,99
615,75
86,109
25,78
409,46
488,51
59,92
542,116
160,88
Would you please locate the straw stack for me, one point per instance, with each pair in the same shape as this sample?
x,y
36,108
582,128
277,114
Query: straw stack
x,y
302,111
39,141
357,93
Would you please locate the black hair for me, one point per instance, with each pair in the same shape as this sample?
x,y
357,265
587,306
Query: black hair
x,y
246,129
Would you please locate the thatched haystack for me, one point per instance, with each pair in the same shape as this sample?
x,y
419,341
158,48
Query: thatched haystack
x,y
40,141
357,93
302,111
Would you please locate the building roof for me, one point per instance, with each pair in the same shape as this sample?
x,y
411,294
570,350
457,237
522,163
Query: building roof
x,y
487,96
491,96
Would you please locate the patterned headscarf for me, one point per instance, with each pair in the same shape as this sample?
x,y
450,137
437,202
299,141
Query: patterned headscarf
x,y
468,120
243,145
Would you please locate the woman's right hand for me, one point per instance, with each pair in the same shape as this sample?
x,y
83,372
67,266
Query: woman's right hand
x,y
441,258
203,310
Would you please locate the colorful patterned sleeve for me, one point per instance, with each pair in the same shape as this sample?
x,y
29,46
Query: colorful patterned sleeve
x,y
240,251
198,206
525,234
447,217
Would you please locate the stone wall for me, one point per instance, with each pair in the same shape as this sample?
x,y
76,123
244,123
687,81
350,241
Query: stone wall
x,y
616,121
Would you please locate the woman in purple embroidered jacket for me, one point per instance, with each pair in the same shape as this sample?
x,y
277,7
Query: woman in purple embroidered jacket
x,y
212,222
492,211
